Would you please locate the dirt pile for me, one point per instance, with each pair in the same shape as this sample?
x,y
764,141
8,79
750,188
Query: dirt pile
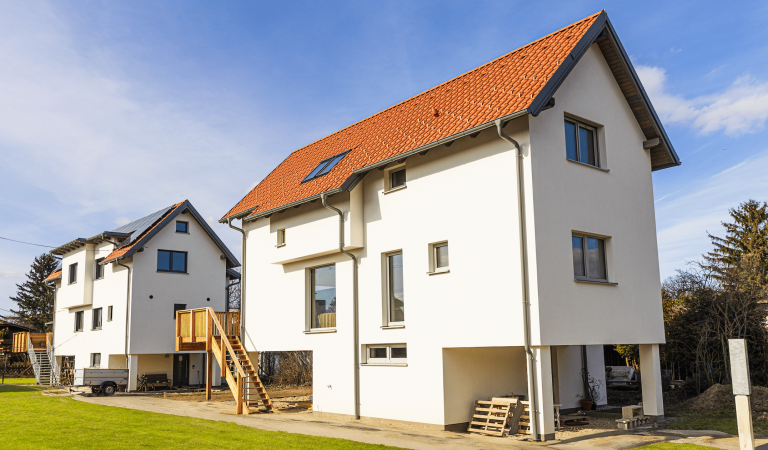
x,y
720,397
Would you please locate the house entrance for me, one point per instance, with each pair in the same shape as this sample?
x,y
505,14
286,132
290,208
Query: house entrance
x,y
181,369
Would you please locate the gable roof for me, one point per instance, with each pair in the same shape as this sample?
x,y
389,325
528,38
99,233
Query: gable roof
x,y
135,235
518,83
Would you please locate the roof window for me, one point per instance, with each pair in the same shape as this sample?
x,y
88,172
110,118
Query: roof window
x,y
324,167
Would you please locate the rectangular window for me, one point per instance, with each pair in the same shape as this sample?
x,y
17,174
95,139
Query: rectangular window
x,y
395,291
79,320
96,322
109,314
182,227
178,307
281,237
581,143
438,258
397,178
99,269
324,167
386,354
96,360
73,273
171,261
588,258
323,301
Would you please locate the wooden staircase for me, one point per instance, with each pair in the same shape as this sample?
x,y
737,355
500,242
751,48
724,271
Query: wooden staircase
x,y
202,329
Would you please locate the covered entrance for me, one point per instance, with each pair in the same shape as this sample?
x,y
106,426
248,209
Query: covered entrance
x,y
181,369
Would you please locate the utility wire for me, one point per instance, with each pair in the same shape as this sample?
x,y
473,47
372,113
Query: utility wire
x,y
28,243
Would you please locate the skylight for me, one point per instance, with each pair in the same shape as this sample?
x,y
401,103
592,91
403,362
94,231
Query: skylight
x,y
324,167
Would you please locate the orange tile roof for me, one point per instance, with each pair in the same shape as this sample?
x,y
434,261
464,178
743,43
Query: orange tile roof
x,y
503,86
56,274
118,252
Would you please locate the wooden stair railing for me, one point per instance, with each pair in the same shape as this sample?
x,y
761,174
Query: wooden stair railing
x,y
198,326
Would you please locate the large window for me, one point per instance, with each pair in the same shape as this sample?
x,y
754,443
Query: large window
x,y
99,268
395,292
589,258
171,261
323,300
73,273
96,323
581,143
79,320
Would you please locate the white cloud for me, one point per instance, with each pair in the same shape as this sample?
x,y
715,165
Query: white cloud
x,y
9,274
739,109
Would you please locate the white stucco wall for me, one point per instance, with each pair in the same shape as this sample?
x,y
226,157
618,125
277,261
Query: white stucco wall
x,y
570,197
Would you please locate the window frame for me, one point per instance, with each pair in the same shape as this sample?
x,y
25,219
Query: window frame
x,y
94,358
388,172
595,132
72,273
585,259
281,238
99,269
310,302
186,227
388,294
389,360
96,313
79,319
109,313
170,261
433,266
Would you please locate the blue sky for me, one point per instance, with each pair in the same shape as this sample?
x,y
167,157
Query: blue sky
x,y
112,110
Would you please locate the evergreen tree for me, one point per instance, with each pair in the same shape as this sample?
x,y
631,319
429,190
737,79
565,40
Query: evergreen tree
x,y
34,298
746,236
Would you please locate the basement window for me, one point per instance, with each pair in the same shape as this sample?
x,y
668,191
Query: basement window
x,y
324,167
391,354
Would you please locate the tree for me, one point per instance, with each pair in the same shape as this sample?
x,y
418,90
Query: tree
x,y
34,297
747,235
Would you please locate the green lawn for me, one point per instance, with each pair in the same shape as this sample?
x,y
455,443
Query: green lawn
x,y
34,421
718,422
671,446
19,381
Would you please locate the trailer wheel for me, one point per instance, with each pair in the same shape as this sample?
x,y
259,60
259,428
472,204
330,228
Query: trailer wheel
x,y
108,388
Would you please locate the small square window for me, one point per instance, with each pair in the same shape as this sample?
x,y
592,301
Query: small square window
x,y
581,143
397,178
99,269
182,227
281,237
589,258
73,273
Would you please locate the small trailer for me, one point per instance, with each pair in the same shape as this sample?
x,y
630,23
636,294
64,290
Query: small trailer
x,y
101,381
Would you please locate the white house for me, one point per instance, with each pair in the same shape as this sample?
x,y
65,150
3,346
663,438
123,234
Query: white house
x,y
117,294
496,231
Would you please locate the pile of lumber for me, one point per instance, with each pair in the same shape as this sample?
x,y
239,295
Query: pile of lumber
x,y
496,416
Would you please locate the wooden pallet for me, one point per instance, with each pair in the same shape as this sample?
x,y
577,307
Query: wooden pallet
x,y
489,417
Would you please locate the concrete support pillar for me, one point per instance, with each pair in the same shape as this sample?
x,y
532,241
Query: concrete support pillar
x,y
650,370
546,410
133,372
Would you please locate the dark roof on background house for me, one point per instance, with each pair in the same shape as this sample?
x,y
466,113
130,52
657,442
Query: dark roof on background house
x,y
518,83
133,236
53,276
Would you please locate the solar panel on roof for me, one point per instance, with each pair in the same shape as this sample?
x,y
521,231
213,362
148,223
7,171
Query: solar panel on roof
x,y
141,225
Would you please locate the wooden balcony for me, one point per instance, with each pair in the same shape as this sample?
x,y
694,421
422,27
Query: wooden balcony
x,y
193,326
21,341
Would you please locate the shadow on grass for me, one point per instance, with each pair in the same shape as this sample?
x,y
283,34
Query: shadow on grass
x,y
9,388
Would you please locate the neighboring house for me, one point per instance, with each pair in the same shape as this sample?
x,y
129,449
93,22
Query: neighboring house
x,y
449,250
7,330
118,292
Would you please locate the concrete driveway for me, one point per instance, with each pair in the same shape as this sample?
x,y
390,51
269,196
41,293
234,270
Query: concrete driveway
x,y
410,436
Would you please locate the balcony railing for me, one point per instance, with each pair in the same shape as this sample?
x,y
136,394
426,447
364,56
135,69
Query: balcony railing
x,y
191,326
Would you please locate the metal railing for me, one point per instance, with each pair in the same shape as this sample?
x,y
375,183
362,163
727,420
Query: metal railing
x,y
33,358
55,372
